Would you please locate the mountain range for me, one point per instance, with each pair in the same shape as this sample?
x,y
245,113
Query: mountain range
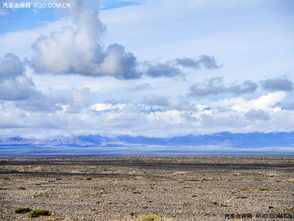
x,y
225,139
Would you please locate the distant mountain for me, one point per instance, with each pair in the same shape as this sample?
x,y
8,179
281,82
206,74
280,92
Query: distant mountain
x,y
225,139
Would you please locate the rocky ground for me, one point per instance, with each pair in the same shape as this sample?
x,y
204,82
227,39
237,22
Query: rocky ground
x,y
174,188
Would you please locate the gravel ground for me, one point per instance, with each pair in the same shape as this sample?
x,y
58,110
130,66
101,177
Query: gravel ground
x,y
175,188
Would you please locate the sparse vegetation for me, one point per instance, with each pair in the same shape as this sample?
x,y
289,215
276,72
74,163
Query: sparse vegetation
x,y
39,212
291,209
242,197
264,189
151,217
22,210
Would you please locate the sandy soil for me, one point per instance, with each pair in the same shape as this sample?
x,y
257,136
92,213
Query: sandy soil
x,y
176,188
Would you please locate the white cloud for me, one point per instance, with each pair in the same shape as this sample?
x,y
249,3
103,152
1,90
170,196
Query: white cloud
x,y
14,84
107,107
77,49
112,107
233,115
265,102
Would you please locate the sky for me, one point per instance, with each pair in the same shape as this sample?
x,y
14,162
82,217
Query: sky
x,y
155,68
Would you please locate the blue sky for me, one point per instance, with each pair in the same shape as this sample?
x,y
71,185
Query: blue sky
x,y
147,67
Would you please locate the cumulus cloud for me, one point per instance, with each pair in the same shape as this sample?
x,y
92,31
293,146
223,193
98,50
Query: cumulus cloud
x,y
11,117
215,86
277,84
204,61
267,102
78,49
14,84
18,88
11,67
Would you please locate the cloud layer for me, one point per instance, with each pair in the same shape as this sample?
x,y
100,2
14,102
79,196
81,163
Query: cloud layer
x,y
23,108
215,86
277,84
160,118
158,102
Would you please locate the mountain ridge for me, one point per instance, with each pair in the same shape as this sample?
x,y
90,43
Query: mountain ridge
x,y
226,139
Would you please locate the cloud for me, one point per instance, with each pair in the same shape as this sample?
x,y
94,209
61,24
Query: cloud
x,y
156,101
39,102
173,117
79,100
18,88
277,84
267,102
11,67
14,84
107,107
257,115
135,119
78,49
143,86
162,69
168,104
170,68
204,61
215,86
120,63
290,106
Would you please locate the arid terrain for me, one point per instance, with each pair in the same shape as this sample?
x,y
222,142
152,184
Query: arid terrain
x,y
173,188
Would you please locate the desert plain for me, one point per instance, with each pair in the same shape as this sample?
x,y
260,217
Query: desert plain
x,y
148,188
